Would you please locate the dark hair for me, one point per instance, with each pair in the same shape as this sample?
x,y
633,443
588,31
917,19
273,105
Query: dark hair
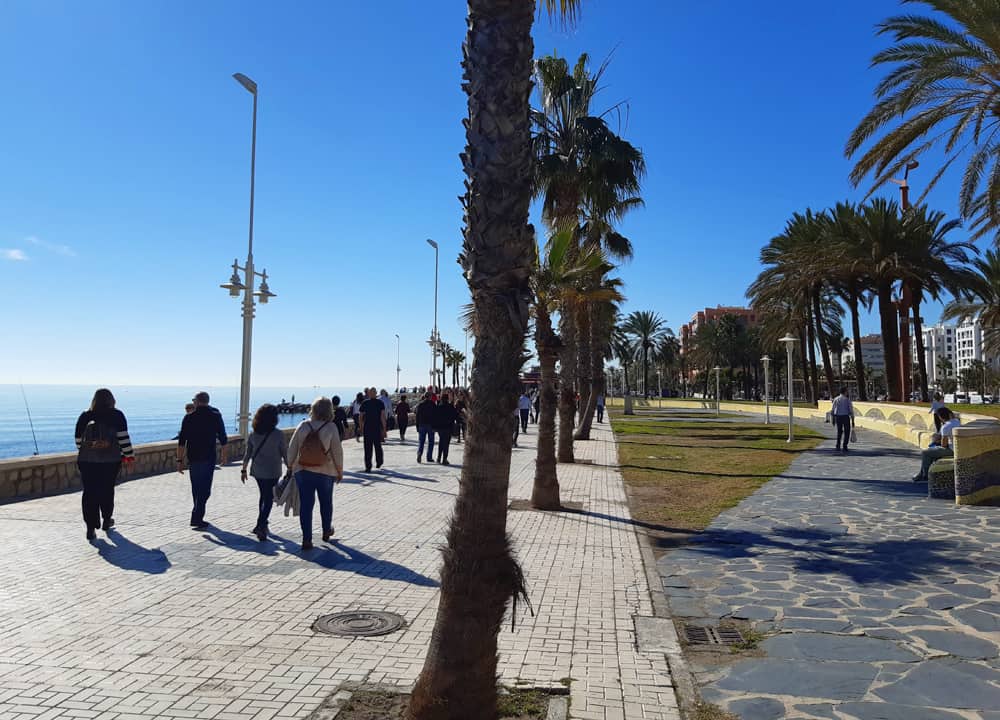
x,y
843,390
444,397
103,400
359,396
402,398
336,401
944,413
265,419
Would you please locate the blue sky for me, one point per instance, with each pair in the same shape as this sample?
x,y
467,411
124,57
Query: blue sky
x,y
125,171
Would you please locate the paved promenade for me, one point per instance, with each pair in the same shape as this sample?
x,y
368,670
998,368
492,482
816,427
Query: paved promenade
x,y
159,621
883,605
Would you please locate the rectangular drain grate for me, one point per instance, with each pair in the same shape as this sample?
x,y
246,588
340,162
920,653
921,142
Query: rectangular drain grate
x,y
709,635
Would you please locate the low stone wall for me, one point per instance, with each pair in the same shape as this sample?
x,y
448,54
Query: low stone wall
x,y
977,464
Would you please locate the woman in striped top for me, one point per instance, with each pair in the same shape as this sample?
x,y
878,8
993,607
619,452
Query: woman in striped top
x,y
103,442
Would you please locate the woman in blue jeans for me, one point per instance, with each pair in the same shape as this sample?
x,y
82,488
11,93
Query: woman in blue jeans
x,y
317,461
266,448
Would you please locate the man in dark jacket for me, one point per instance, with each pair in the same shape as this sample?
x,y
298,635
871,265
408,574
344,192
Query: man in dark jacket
x,y
199,431
425,426
445,416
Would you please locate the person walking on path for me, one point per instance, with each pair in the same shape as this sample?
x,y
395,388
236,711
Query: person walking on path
x,y
843,416
600,408
524,406
461,410
317,462
374,423
937,402
102,442
948,423
339,417
199,432
266,448
425,427
445,416
359,400
402,417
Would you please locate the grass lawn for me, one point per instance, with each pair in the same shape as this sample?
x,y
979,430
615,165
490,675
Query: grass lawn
x,y
682,472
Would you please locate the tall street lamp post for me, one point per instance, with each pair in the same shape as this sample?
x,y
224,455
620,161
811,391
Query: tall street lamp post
x,y
434,336
235,285
659,387
397,362
718,397
767,389
789,341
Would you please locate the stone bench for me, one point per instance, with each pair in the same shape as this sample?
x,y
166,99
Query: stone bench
x,y
941,479
977,463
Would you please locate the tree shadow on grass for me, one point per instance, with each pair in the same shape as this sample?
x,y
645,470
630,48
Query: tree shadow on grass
x,y
128,555
338,556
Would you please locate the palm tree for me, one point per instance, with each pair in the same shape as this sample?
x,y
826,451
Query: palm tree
x,y
647,328
941,91
479,573
981,300
601,295
557,277
457,358
623,348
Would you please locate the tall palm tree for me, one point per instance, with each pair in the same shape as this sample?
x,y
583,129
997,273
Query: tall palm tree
x,y
981,300
941,92
623,348
647,328
479,573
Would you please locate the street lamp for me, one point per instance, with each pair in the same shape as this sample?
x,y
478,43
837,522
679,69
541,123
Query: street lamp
x,y
767,389
235,285
789,341
718,397
434,336
397,362
659,387
465,370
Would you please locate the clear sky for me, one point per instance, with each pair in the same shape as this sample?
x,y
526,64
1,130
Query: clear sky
x,y
124,171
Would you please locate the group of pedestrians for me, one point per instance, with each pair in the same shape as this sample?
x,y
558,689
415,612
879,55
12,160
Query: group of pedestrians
x,y
440,417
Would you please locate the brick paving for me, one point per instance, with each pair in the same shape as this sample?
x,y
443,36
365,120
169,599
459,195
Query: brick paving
x,y
160,621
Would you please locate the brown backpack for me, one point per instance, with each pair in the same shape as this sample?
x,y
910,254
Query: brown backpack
x,y
312,453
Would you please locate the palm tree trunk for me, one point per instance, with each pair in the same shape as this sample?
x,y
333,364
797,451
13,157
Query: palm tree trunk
x,y
823,345
585,364
545,492
806,383
859,365
890,339
567,384
479,573
918,336
811,339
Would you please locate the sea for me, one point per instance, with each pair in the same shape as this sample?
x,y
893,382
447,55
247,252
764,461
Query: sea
x,y
153,412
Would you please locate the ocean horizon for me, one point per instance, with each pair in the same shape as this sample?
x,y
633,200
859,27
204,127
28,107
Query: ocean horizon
x,y
154,412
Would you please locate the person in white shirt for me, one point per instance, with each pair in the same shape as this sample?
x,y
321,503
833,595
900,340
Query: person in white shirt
x,y
937,402
948,423
843,416
524,405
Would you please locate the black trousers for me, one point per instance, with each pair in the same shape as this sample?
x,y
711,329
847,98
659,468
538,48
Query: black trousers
x,y
402,422
265,502
98,500
524,420
843,429
444,440
373,442
600,413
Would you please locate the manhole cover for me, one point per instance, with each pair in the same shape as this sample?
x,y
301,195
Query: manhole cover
x,y
359,623
709,635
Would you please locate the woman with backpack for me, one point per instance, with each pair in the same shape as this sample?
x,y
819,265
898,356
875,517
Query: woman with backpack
x,y
317,461
266,448
102,440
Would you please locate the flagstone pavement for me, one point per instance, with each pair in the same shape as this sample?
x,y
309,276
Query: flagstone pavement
x,y
155,620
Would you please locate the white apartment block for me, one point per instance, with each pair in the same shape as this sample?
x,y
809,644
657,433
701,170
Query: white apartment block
x,y
959,344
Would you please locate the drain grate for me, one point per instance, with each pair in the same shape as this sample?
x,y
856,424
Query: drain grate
x,y
359,623
711,635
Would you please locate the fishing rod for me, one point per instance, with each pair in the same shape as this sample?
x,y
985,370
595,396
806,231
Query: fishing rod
x,y
30,423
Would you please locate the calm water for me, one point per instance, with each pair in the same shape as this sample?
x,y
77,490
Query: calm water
x,y
154,413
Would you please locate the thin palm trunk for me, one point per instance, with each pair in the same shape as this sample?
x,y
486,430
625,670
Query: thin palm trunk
x,y
545,492
804,356
890,339
567,384
585,364
859,364
823,345
811,339
918,336
479,573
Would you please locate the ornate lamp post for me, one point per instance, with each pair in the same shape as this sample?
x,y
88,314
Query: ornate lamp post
x,y
789,340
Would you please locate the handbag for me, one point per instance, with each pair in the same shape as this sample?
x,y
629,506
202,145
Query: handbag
x,y
854,434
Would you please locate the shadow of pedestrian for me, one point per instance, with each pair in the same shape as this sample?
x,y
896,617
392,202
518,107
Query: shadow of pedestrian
x,y
338,556
128,555
240,543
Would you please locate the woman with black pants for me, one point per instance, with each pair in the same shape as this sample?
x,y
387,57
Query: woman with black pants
x,y
102,440
266,448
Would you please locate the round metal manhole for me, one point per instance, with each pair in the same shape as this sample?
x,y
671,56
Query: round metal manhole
x,y
359,623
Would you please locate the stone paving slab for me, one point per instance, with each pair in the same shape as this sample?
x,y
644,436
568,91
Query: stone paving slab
x,y
883,604
158,621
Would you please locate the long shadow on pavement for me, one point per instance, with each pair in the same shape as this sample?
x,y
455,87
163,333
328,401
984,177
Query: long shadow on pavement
x,y
240,543
339,556
128,555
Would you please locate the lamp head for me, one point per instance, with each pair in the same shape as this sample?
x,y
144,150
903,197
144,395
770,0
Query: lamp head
x,y
432,243
789,339
235,285
246,82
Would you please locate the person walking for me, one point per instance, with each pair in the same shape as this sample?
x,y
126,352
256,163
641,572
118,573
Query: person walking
x,y
937,402
266,448
524,406
425,427
317,462
199,432
359,400
374,422
948,423
843,417
339,417
402,417
461,410
102,443
600,408
445,416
